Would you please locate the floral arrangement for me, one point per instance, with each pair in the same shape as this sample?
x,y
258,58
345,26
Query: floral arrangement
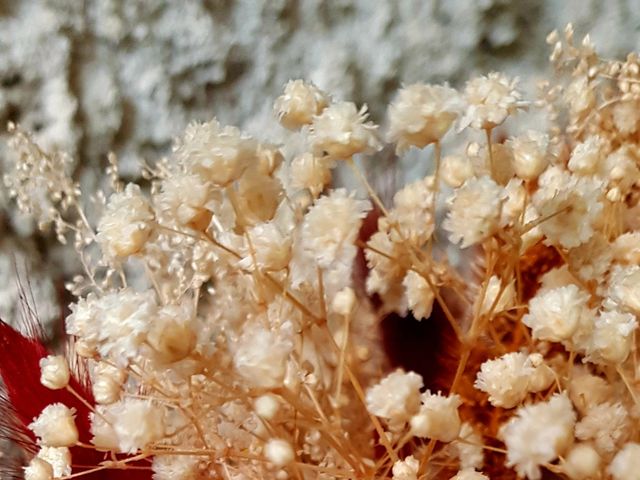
x,y
227,324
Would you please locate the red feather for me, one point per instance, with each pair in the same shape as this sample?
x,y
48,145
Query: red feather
x,y
24,398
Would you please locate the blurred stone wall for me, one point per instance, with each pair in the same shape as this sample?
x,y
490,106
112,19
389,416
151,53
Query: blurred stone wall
x,y
95,76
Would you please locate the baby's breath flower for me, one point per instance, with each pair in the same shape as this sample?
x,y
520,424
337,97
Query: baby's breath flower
x,y
475,211
588,155
126,224
54,372
55,427
624,288
412,213
260,356
396,397
557,314
570,205
299,103
311,172
175,467
38,469
469,474
279,452
128,426
420,295
422,114
172,333
271,247
217,154
582,462
437,418
107,383
626,463
490,101
530,154
406,469
184,199
509,378
538,434
116,323
456,169
612,337
59,458
608,425
341,131
468,447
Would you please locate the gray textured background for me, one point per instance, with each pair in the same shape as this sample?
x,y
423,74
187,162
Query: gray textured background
x,y
126,76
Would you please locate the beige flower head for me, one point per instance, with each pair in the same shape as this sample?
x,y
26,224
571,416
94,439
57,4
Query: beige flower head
x,y
422,114
490,100
342,131
299,103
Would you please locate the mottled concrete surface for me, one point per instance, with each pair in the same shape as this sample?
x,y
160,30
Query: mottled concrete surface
x,y
95,76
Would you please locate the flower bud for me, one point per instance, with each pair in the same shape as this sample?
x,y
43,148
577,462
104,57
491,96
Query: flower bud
x,y
54,372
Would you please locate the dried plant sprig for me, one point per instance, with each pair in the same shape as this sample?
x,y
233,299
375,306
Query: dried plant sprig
x,y
248,345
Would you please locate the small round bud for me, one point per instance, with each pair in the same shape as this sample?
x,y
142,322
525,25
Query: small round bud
x,y
582,462
344,302
54,372
279,452
38,469
266,406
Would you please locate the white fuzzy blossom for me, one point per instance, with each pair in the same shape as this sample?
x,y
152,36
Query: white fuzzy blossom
x,y
626,463
260,356
558,314
126,223
509,378
607,425
422,114
327,241
396,397
341,131
582,462
175,467
587,156
107,383
469,474
116,323
420,295
538,434
456,169
406,469
569,205
279,452
468,448
299,103
612,338
474,213
186,199
530,154
624,288
490,100
38,469
55,426
59,458
412,213
217,154
437,418
54,372
133,424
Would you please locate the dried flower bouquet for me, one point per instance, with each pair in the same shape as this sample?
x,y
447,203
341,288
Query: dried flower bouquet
x,y
226,325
